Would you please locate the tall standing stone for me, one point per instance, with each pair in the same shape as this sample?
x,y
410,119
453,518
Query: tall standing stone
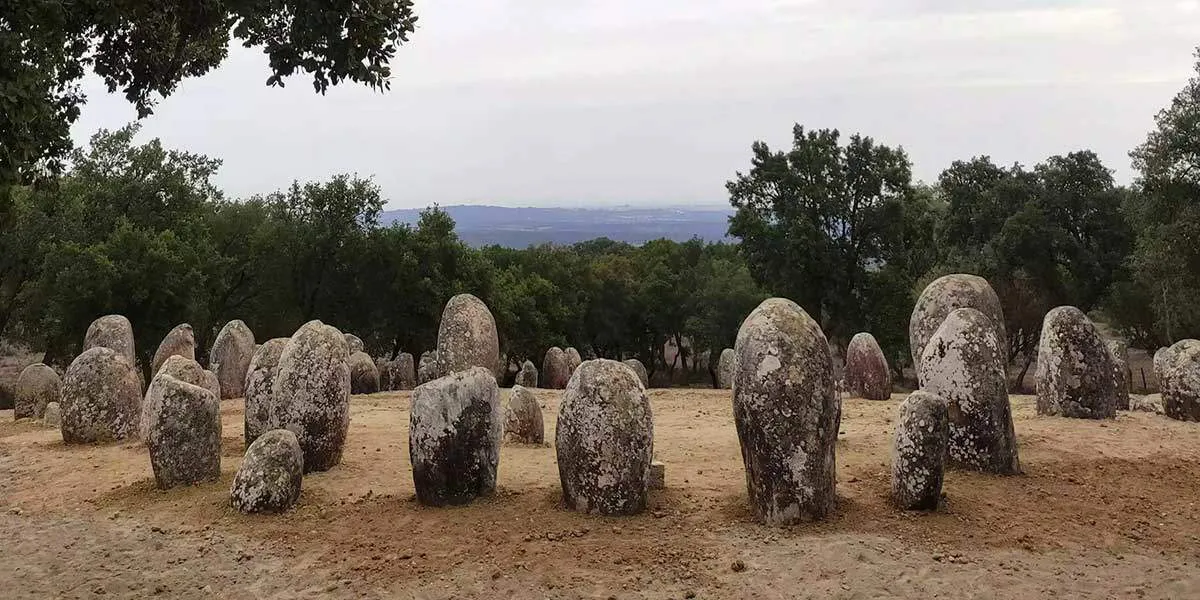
x,y
404,372
180,341
523,417
271,474
112,331
867,373
467,337
1075,368
260,381
310,395
919,452
179,367
1181,381
725,369
1119,350
555,369
640,370
37,386
528,375
963,364
604,440
454,437
786,413
944,296
364,377
230,358
101,398
573,360
185,433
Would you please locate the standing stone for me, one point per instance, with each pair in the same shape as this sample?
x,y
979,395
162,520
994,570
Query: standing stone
x,y
867,374
573,360
467,337
354,343
604,440
180,341
387,374
364,377
185,433
1075,368
37,386
101,398
53,415
786,413
1119,350
555,370
184,369
943,297
725,369
528,375
454,437
963,364
427,371
1160,360
1181,381
919,452
523,417
112,331
260,380
640,370
270,477
404,374
310,395
230,358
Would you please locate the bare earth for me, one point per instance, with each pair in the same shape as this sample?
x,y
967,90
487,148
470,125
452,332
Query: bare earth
x,y
1104,510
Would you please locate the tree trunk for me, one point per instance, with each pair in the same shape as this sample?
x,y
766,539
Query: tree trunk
x,y
1016,385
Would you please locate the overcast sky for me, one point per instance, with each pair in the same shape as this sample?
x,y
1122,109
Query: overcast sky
x,y
608,102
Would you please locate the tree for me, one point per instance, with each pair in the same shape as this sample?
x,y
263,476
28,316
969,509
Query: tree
x,y
145,48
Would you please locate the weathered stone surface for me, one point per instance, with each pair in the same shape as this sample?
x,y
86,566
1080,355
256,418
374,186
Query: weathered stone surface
x,y
260,382
112,331
101,398
786,414
573,360
230,358
37,386
867,374
963,364
354,343
1119,351
919,452
657,479
183,369
454,437
1181,381
523,417
555,370
1075,368
180,341
185,432
943,297
604,440
467,337
427,370
404,372
725,369
1151,403
310,395
528,375
1160,360
270,477
364,377
638,369
52,417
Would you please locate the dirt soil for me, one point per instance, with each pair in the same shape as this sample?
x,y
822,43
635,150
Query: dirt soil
x,y
1104,510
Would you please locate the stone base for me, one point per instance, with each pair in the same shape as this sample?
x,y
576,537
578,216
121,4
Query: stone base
x,y
657,479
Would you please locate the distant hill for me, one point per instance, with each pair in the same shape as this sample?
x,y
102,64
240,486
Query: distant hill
x,y
523,227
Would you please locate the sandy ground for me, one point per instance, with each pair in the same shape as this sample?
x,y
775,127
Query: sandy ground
x,y
1104,510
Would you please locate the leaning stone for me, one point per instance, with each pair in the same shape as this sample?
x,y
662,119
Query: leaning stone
x,y
310,395
53,415
573,360
183,369
523,417
943,297
528,375
101,398
867,374
454,437
354,343
185,433
37,386
963,364
640,370
1181,381
604,440
260,380
180,341
657,479
467,337
230,358
270,477
1119,351
919,452
364,377
786,413
725,369
1151,403
112,331
1075,368
555,370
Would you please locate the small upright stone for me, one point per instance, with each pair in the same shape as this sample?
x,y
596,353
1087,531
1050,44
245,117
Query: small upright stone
x,y
101,398
467,337
1075,368
354,343
454,437
184,369
404,372
112,331
53,415
657,479
573,360
271,474
364,378
523,417
1181,381
786,413
725,369
230,358
310,395
185,433
180,341
427,367
37,386
867,374
604,440
1119,350
944,296
528,375
260,379
555,370
640,370
919,452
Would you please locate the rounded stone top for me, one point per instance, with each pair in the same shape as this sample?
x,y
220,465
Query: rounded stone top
x,y
467,337
942,297
112,331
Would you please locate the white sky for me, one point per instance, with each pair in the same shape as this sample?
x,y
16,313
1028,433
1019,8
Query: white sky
x,y
608,102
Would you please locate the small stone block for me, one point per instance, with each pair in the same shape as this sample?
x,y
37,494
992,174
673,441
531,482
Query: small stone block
x,y
657,479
